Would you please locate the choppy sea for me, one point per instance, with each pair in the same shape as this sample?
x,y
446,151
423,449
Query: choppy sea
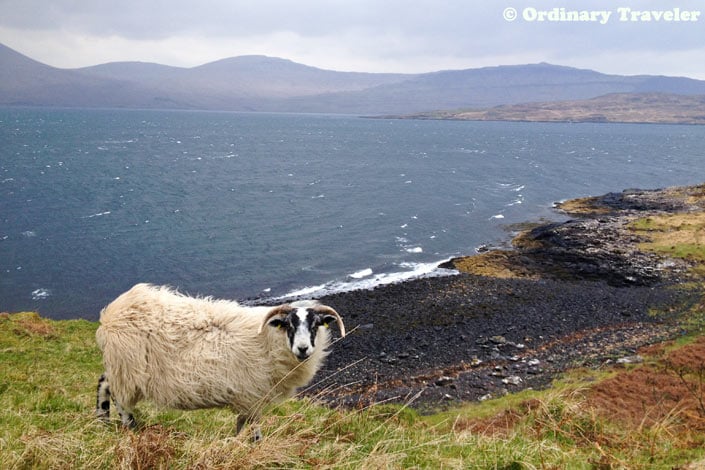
x,y
261,206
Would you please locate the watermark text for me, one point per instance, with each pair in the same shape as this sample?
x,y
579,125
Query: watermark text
x,y
620,14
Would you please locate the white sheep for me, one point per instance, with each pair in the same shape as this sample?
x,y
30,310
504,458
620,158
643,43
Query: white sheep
x,y
190,353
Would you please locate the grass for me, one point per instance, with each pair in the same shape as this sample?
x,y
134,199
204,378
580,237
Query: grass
x,y
49,370
677,235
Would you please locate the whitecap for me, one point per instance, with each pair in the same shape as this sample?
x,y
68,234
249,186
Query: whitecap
x,y
408,271
498,216
306,291
415,249
99,214
29,233
40,294
362,273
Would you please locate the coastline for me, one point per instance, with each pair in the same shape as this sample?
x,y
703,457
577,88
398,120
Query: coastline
x,y
575,293
624,108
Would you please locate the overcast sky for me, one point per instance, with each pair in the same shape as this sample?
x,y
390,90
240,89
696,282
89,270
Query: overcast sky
x,y
360,35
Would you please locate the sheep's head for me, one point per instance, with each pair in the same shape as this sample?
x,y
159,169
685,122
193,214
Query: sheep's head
x,y
301,321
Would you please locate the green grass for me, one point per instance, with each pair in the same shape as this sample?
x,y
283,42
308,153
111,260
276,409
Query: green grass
x,y
49,371
676,235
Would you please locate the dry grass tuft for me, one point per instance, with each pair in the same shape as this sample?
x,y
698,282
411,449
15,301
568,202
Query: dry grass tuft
x,y
31,324
151,447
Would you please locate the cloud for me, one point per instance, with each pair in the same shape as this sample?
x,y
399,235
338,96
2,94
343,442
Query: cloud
x,y
365,35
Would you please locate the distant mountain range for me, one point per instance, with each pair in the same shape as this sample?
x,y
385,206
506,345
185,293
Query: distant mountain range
x,y
259,83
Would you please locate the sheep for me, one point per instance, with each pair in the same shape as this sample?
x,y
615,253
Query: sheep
x,y
191,353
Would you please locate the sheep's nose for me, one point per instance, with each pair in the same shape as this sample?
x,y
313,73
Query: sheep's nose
x,y
302,352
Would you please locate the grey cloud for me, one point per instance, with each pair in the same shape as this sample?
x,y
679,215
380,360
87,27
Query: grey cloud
x,y
393,29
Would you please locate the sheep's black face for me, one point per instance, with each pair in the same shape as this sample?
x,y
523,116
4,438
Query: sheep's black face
x,y
301,327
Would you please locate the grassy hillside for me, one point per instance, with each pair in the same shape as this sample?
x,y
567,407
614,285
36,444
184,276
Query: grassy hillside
x,y
649,413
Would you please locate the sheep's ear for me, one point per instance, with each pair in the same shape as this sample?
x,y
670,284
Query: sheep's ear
x,y
327,320
328,315
282,310
277,323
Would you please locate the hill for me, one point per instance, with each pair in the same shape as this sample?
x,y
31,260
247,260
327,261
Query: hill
x,y
259,83
659,108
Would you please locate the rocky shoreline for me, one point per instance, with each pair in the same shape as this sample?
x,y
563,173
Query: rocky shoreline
x,y
580,292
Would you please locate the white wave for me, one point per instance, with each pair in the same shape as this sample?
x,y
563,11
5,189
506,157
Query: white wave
x,y
362,273
410,271
40,294
99,214
498,216
414,249
29,233
305,291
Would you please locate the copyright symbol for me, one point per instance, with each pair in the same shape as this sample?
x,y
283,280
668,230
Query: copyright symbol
x,y
509,14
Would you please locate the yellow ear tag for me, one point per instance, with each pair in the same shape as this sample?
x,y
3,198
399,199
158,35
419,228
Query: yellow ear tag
x,y
279,326
327,325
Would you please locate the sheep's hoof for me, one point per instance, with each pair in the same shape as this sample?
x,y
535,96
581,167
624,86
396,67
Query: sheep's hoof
x,y
129,422
102,416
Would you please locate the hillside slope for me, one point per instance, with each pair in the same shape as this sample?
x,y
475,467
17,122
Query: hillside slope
x,y
259,83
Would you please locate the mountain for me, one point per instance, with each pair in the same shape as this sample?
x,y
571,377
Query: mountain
x,y
259,83
660,108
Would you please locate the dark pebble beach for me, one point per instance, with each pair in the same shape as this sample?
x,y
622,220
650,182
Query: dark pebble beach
x,y
582,294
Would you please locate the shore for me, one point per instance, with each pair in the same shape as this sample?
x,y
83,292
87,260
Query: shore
x,y
578,293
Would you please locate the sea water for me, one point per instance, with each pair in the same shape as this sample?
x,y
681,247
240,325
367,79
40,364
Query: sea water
x,y
262,206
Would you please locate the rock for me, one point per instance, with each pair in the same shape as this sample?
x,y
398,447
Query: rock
x,y
498,339
512,380
443,381
630,360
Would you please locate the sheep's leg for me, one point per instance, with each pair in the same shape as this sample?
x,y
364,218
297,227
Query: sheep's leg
x,y
126,416
125,412
242,420
102,402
